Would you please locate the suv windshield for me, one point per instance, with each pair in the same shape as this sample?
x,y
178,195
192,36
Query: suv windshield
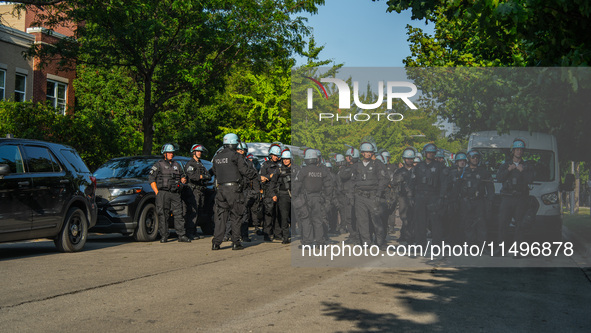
x,y
544,161
126,168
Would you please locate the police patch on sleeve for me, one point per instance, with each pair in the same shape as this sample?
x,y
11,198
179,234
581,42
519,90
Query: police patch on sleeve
x,y
153,169
190,168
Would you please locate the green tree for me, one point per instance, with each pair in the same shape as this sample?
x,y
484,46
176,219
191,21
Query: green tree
x,y
173,47
505,33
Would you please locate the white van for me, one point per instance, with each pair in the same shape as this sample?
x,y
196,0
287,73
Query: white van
x,y
261,150
545,189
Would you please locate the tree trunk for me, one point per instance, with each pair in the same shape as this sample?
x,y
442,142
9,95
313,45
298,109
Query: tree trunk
x,y
148,119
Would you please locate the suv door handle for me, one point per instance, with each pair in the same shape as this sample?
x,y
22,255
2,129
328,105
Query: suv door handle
x,y
25,183
64,181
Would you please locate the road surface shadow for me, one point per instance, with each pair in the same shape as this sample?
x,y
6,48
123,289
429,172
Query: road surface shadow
x,y
475,300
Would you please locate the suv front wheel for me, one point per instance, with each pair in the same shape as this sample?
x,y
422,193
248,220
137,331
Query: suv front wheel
x,y
74,232
147,227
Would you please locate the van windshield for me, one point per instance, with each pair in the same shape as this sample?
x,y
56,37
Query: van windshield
x,y
492,158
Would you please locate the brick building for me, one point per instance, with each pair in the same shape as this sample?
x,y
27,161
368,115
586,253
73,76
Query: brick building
x,y
47,83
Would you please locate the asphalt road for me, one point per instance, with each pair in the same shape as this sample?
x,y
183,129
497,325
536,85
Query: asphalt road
x,y
117,285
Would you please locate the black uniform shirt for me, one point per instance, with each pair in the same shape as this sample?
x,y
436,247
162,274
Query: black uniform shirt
x,y
229,167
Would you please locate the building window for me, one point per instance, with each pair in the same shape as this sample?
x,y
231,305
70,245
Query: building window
x,y
2,84
20,88
56,95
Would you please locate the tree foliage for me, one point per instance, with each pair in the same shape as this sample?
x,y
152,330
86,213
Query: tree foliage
x,y
506,33
176,47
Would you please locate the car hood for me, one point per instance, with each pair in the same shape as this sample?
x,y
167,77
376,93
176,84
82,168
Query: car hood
x,y
122,182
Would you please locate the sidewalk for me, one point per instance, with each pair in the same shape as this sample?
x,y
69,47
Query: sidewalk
x,y
577,229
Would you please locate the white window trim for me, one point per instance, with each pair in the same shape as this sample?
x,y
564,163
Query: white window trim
x,y
18,91
3,95
55,97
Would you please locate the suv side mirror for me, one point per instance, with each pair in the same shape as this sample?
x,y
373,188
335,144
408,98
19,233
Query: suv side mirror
x,y
569,183
4,170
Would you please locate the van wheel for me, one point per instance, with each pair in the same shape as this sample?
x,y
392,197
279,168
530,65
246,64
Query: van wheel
x,y
74,232
147,227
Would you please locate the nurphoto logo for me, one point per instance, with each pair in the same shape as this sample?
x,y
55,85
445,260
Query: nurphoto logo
x,y
344,93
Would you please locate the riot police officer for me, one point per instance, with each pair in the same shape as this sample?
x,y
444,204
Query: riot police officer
x,y
401,187
281,194
251,192
428,187
166,179
475,189
347,199
311,188
267,172
454,227
229,168
369,177
194,193
515,175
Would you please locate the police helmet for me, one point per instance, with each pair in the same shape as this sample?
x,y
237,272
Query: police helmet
x,y
328,164
167,148
231,140
460,156
353,152
408,153
417,159
198,147
430,148
518,143
310,156
473,153
339,159
250,156
439,153
275,150
286,154
243,146
386,155
381,159
366,147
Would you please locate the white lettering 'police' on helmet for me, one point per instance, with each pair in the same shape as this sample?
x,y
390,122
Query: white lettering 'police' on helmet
x,y
275,150
231,139
286,154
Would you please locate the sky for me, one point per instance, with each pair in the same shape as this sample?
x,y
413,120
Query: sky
x,y
360,33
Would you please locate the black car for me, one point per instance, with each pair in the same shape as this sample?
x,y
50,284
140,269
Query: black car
x,y
127,203
46,191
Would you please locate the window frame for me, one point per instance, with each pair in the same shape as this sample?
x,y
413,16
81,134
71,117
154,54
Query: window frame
x,y
55,100
3,86
24,92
